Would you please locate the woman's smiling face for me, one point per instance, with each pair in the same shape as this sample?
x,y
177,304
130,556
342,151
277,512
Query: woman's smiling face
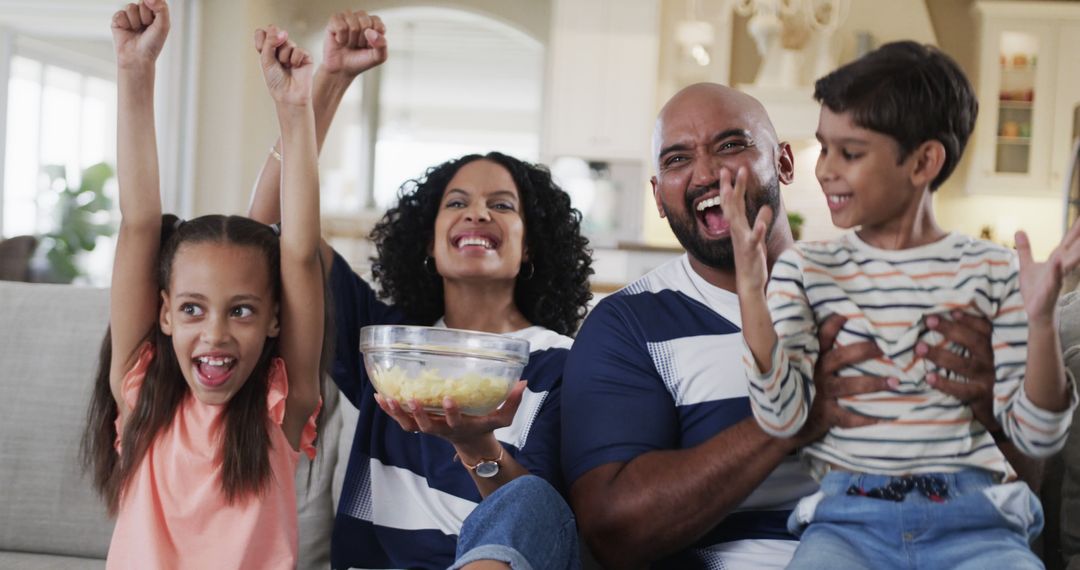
x,y
480,229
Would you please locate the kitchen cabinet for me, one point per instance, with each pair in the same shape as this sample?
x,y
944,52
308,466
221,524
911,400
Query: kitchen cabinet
x,y
601,79
1028,90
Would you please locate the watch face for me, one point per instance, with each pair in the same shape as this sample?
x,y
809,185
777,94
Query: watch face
x,y
487,469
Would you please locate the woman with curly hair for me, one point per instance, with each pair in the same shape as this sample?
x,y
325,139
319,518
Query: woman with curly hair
x,y
485,243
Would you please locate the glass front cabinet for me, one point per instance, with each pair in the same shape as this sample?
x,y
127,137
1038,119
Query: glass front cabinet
x,y
1026,73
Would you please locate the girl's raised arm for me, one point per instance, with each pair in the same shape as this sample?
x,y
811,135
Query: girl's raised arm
x,y
288,70
139,33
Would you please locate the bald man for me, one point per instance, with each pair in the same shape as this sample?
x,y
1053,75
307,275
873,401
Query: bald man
x,y
666,466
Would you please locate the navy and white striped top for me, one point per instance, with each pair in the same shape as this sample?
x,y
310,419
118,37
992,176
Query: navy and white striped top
x,y
886,295
657,366
404,498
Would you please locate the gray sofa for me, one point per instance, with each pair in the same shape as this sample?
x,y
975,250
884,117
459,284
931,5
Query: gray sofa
x,y
50,518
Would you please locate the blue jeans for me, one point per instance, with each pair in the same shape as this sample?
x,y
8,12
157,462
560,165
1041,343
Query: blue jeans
x,y
979,525
525,523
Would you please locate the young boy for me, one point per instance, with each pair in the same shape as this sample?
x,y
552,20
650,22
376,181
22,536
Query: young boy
x,y
925,486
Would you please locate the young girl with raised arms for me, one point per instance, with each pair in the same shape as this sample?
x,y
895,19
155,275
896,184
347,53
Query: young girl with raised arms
x,y
208,386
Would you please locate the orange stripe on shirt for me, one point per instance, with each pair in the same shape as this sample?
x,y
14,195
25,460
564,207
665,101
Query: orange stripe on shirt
x,y
855,275
950,273
784,294
961,267
775,427
879,324
1009,310
895,399
954,422
1020,420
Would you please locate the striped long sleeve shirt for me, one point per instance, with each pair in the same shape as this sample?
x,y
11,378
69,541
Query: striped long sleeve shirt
x,y
885,296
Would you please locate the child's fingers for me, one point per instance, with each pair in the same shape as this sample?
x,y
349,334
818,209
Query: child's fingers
x,y
276,37
145,14
1073,235
271,38
1023,248
761,224
260,39
733,202
1069,249
1070,259
299,57
285,52
1057,276
160,11
120,21
133,17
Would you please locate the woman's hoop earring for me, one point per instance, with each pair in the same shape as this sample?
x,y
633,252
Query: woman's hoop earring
x,y
526,275
429,266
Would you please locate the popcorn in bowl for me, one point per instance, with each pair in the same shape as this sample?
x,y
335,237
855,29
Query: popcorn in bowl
x,y
470,392
476,370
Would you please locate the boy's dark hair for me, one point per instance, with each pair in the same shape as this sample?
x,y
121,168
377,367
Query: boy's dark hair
x,y
245,451
911,92
554,293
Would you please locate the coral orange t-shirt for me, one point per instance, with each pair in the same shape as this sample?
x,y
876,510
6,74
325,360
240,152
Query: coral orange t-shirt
x,y
173,513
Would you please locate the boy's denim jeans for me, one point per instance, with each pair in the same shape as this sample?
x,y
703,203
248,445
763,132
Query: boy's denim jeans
x,y
526,523
979,525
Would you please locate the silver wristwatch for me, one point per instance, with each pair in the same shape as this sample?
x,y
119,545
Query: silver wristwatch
x,y
485,468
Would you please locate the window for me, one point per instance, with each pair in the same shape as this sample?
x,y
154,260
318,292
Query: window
x,y
456,83
56,115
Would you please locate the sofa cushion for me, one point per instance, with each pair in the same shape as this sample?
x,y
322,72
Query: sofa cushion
x,y
26,561
49,340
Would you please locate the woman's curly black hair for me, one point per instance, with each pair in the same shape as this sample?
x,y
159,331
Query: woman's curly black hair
x,y
554,294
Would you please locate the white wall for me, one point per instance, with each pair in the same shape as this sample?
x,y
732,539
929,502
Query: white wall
x,y
236,123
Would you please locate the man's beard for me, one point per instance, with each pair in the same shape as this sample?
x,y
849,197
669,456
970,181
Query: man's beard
x,y
720,254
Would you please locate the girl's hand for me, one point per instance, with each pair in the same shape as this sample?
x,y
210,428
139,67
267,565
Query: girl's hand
x,y
455,427
287,69
139,32
1040,283
748,243
355,42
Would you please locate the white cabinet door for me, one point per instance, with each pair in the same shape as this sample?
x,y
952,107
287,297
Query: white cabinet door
x,y
1029,93
1066,104
601,80
1014,132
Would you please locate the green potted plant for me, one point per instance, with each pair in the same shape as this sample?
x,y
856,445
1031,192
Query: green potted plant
x,y
81,219
795,220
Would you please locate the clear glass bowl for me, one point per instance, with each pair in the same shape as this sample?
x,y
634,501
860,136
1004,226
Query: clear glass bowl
x,y
477,370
